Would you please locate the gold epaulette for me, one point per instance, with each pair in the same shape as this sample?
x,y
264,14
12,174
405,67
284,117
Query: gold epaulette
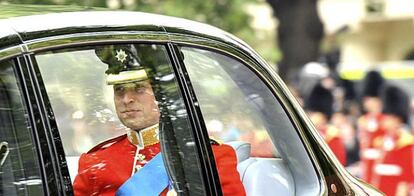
x,y
378,142
144,137
406,138
260,136
215,142
331,133
106,144
362,121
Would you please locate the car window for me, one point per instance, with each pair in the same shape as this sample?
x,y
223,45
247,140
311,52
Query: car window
x,y
230,111
112,103
19,164
238,108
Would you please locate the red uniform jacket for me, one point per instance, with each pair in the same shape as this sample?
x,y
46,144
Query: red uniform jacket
x,y
333,139
397,164
370,138
107,166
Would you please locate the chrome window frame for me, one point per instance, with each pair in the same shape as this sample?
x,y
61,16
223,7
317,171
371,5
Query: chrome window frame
x,y
11,52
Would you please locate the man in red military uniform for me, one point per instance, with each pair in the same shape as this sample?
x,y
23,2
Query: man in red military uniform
x,y
393,172
319,105
370,131
109,165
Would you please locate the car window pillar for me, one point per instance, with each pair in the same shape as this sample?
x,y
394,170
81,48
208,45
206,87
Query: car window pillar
x,y
29,79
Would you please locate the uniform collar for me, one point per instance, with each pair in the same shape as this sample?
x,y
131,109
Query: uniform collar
x,y
405,139
144,137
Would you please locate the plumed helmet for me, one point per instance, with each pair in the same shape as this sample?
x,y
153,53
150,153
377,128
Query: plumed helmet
x,y
349,88
321,100
372,84
396,102
123,63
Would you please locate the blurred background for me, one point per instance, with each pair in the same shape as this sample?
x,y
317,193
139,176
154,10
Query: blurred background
x,y
348,36
342,59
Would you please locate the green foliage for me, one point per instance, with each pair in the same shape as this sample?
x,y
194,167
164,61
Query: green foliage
x,y
13,10
229,15
226,14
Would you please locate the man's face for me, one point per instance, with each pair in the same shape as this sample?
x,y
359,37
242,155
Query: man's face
x,y
135,104
372,104
318,119
391,123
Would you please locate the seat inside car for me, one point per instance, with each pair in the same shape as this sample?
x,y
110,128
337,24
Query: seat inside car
x,y
262,176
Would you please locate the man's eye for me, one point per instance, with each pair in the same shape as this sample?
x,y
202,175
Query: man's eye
x,y
119,90
140,89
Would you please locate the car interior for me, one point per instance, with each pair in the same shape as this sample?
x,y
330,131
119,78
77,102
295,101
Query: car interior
x,y
262,176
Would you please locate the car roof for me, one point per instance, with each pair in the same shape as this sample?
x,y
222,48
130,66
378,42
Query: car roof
x,y
37,24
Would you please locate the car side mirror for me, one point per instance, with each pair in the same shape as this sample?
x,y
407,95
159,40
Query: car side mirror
x,y
4,152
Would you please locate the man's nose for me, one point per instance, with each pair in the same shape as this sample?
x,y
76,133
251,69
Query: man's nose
x,y
129,96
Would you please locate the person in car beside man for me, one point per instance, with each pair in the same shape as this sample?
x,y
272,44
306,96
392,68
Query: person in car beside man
x,y
132,163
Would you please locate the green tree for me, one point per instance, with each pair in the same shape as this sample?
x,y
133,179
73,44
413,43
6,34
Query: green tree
x,y
229,15
226,14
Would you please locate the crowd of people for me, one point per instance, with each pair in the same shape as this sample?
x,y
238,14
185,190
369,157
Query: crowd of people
x,y
367,128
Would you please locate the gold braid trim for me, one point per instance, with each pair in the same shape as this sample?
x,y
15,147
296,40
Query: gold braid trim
x,y
147,136
405,139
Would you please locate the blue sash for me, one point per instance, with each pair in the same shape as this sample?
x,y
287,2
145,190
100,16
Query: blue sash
x,y
150,180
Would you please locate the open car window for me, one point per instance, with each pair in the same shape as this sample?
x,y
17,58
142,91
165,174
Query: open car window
x,y
103,150
240,110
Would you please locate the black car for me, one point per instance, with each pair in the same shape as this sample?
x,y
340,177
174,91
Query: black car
x,y
55,105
